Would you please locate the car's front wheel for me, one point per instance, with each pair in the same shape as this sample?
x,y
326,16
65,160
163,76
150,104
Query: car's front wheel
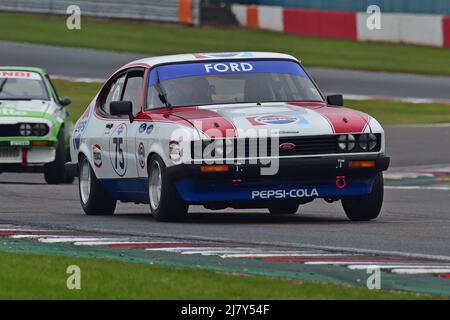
x,y
165,202
94,199
366,207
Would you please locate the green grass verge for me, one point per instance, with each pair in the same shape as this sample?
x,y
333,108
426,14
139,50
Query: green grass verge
x,y
387,112
157,39
391,112
81,94
30,276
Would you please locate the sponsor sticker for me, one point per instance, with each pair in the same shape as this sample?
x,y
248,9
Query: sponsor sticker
x,y
223,55
12,112
150,128
20,75
19,143
285,193
141,155
142,128
81,126
118,149
97,155
224,67
277,119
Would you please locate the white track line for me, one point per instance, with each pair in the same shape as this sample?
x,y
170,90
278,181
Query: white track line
x,y
420,271
395,266
71,239
104,243
287,254
197,249
32,236
418,188
25,230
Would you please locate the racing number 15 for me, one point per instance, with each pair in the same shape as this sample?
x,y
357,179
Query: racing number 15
x,y
119,153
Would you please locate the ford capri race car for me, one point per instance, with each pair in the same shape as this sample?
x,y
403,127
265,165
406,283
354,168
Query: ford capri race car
x,y
240,130
34,126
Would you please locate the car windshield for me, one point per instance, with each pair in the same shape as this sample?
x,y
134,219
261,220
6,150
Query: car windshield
x,y
242,81
22,85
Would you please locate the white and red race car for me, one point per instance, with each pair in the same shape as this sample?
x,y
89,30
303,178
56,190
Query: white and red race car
x,y
240,130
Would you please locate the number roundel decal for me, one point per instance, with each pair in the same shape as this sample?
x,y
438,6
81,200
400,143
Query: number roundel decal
x,y
118,149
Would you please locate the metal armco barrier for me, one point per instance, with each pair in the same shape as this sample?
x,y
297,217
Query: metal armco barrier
x,y
182,11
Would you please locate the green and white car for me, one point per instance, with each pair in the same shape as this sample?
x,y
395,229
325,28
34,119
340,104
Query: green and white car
x,y
35,130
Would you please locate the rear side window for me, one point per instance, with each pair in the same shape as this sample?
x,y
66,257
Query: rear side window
x,y
114,93
133,89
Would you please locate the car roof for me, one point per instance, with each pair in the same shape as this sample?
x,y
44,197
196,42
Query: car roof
x,y
30,69
196,57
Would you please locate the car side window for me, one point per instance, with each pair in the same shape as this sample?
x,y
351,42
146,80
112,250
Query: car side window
x,y
52,89
114,93
133,89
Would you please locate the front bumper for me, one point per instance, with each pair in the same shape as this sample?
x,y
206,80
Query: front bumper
x,y
297,179
16,159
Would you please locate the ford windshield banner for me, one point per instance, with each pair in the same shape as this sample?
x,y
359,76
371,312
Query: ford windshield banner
x,y
182,70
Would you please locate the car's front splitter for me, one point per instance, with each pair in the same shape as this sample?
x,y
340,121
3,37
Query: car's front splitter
x,y
301,191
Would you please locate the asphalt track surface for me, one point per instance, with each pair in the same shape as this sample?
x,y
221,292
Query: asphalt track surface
x,y
86,63
413,221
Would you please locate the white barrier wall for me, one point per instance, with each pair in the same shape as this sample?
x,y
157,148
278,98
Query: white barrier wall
x,y
270,18
420,29
407,28
240,12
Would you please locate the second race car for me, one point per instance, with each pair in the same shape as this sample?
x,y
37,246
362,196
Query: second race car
x,y
34,126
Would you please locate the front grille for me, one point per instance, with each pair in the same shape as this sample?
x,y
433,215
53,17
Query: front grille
x,y
250,148
9,153
9,130
35,129
310,145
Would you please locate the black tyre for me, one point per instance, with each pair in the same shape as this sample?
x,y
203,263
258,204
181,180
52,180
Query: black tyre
x,y
94,199
284,208
366,207
164,200
69,178
54,172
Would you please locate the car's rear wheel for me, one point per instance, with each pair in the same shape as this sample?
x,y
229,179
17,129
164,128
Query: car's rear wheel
x,y
94,199
366,207
164,200
284,208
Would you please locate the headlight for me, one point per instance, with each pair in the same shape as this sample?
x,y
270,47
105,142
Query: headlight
x,y
25,129
40,129
346,142
175,151
367,142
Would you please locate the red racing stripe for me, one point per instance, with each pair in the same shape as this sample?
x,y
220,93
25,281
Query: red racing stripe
x,y
209,122
343,120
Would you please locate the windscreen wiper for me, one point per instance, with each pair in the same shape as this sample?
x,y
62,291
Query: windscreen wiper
x,y
162,94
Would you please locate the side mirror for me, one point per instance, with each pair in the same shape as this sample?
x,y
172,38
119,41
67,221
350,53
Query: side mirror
x,y
336,100
65,102
122,108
